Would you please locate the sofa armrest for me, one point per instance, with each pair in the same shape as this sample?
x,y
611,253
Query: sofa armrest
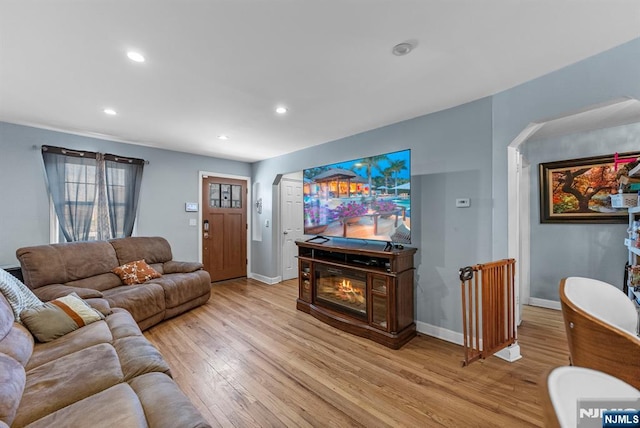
x,y
181,267
53,291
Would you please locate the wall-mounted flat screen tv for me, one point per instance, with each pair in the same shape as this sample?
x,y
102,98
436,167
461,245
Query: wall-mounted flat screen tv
x,y
367,198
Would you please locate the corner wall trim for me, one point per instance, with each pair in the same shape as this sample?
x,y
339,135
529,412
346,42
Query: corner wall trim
x,y
544,303
265,279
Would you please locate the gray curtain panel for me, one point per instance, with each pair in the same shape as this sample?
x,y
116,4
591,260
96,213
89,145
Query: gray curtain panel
x,y
123,179
72,181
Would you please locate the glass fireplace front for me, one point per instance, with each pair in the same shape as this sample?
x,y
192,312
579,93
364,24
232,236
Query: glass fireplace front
x,y
342,289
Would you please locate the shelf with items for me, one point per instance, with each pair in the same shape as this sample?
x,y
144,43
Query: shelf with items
x,y
632,242
628,178
635,171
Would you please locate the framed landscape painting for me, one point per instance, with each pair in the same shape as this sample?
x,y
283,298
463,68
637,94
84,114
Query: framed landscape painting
x,y
578,191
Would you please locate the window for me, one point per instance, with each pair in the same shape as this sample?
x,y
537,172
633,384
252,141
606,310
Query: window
x,y
94,195
225,195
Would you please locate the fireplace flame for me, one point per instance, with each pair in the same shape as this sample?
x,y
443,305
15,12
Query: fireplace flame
x,y
345,291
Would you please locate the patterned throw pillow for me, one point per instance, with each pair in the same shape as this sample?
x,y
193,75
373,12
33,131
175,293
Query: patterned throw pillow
x,y
18,294
58,317
136,272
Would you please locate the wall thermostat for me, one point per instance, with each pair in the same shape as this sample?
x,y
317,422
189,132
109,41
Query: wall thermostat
x,y
463,203
191,207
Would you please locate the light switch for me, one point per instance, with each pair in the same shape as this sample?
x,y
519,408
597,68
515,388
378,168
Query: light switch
x,y
266,223
463,203
193,222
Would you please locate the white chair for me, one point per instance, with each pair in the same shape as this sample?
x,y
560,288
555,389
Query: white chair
x,y
601,324
564,386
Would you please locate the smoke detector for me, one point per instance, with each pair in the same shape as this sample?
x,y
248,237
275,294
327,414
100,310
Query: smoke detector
x,y
402,48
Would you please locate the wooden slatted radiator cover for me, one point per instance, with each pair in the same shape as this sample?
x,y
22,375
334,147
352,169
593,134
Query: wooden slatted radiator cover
x,y
488,308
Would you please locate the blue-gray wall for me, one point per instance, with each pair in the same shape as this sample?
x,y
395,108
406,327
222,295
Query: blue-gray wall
x,y
610,75
450,158
462,152
169,180
591,250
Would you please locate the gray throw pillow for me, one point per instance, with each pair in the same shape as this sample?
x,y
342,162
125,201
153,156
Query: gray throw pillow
x,y
17,294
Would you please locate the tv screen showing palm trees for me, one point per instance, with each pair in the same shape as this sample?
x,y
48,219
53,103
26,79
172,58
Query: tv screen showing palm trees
x,y
367,198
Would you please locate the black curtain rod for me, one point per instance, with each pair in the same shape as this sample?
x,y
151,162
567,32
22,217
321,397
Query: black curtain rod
x,y
92,155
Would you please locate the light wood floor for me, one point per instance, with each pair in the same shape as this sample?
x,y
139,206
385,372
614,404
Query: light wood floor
x,y
249,358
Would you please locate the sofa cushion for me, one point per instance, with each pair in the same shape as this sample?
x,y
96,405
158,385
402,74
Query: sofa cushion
x,y
58,317
100,305
93,334
164,404
12,382
121,324
152,249
143,302
117,406
138,356
100,282
53,291
137,272
68,379
173,266
17,294
183,287
18,344
7,318
62,263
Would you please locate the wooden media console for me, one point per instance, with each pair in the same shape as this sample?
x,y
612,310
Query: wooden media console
x,y
361,288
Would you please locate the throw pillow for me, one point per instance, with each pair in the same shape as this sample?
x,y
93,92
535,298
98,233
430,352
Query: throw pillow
x,y
17,294
58,317
136,272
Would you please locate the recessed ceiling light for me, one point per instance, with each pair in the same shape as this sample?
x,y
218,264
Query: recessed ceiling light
x,y
281,110
110,111
135,56
402,49
223,137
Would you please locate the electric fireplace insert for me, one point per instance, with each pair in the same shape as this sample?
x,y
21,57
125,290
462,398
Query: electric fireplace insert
x,y
343,289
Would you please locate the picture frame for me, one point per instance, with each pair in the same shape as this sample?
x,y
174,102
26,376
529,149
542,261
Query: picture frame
x,y
578,190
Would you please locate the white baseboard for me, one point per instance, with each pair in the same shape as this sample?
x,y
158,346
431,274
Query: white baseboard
x,y
265,279
510,354
544,303
440,333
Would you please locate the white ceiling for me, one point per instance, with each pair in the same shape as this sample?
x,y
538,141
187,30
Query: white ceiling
x,y
221,66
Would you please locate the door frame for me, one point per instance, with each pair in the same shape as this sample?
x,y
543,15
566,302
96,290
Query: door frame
x,y
518,242
249,207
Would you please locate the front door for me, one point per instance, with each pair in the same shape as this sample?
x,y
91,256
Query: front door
x,y
224,227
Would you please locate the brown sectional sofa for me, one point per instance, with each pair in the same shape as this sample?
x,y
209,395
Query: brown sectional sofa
x,y
85,268
104,374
